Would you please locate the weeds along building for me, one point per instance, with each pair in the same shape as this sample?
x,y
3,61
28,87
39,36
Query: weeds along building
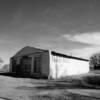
x,y
30,61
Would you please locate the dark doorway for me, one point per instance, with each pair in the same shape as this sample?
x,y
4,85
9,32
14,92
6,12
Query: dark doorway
x,y
37,64
13,65
26,65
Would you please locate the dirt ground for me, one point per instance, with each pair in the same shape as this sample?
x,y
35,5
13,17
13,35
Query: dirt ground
x,y
31,89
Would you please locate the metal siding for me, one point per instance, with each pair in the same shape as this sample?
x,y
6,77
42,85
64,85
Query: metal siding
x,y
11,65
45,64
25,67
62,67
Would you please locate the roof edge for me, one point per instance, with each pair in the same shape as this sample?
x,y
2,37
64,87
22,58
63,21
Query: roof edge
x,y
67,56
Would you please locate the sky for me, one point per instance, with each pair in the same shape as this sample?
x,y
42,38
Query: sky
x,y
66,26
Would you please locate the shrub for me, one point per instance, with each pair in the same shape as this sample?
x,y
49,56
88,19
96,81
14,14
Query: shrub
x,y
95,61
92,80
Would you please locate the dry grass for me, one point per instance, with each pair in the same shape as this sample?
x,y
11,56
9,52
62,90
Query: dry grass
x,y
64,97
32,89
91,79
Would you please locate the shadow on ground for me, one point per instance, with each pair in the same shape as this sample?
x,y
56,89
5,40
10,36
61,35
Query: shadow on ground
x,y
18,76
62,86
51,84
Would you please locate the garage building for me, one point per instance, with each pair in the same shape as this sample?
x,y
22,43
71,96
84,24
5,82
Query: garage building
x,y
34,62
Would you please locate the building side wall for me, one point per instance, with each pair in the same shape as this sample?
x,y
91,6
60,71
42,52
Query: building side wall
x,y
45,64
10,65
62,67
14,64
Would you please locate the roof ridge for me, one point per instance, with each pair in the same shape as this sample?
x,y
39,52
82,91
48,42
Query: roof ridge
x,y
34,48
28,50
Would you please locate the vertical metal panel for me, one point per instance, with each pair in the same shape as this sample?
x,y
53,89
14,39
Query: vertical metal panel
x,y
45,64
37,64
62,67
26,65
11,65
32,65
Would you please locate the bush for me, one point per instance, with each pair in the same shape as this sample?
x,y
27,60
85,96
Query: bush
x,y
95,61
92,80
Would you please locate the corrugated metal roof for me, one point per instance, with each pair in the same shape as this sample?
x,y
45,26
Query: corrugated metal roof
x,y
31,50
27,50
67,56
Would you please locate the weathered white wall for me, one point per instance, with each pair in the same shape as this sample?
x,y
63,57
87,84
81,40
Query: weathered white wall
x,y
61,67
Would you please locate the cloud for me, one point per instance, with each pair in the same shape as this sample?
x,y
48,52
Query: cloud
x,y
92,38
1,61
85,52
89,38
43,45
6,39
